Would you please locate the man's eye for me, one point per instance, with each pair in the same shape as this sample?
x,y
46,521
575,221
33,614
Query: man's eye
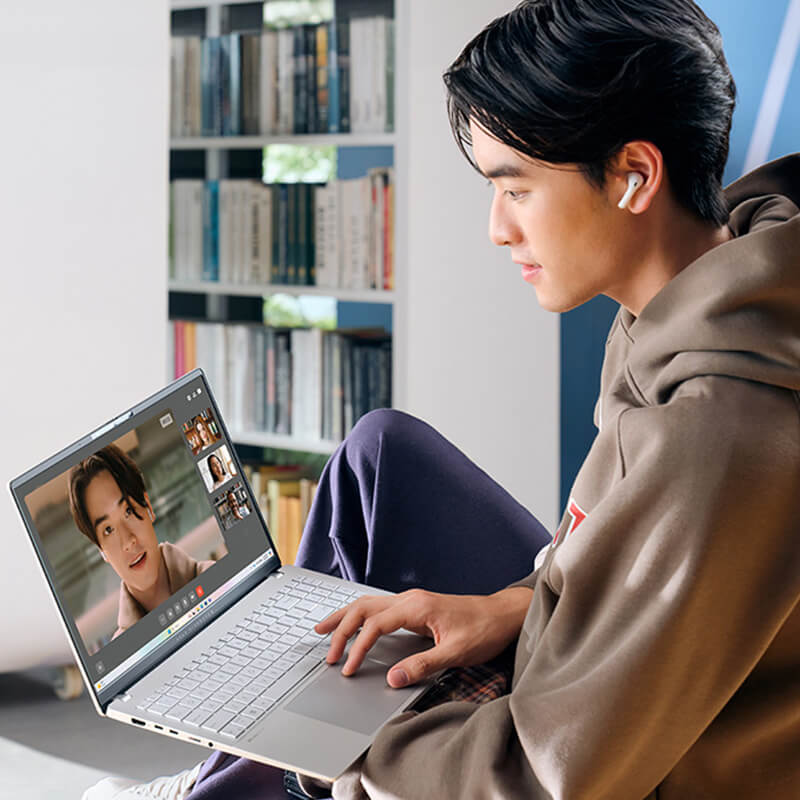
x,y
108,530
514,195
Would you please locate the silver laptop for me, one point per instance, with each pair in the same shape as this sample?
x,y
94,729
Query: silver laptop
x,y
181,617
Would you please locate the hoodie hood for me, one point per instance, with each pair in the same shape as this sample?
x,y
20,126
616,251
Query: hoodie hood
x,y
735,311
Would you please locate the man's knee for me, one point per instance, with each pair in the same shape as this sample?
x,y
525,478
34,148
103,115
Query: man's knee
x,y
382,427
381,422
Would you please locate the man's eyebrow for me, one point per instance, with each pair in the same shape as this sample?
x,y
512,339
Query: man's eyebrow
x,y
105,516
504,171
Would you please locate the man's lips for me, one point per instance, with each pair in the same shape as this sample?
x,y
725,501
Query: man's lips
x,y
139,560
529,271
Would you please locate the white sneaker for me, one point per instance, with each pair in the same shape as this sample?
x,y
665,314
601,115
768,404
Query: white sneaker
x,y
169,787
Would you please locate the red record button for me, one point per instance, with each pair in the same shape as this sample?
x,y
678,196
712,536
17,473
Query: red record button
x,y
199,591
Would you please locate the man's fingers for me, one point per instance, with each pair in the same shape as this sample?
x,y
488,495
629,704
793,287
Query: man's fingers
x,y
419,666
331,621
388,621
348,621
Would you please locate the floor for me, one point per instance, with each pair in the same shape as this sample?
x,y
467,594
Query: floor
x,y
32,715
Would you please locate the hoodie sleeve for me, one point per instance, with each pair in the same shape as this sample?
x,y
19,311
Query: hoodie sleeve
x,y
645,620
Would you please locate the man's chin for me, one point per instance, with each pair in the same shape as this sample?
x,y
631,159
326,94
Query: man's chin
x,y
559,305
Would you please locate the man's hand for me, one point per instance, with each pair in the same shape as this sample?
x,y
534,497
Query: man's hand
x,y
466,629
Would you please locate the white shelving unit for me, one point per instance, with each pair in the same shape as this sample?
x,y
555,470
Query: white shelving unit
x,y
258,290
216,166
305,139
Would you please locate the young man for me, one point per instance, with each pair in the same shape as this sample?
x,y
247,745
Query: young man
x,y
110,506
656,644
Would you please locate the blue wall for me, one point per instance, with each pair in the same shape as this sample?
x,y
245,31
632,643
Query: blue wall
x,y
750,31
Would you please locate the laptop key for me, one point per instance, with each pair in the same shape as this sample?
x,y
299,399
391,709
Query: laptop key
x,y
218,720
233,730
251,672
318,613
199,716
256,627
262,703
180,711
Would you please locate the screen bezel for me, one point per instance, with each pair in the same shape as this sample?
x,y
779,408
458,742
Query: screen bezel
x,y
118,426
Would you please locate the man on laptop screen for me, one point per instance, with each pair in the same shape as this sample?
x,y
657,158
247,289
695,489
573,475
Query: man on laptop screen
x,y
105,498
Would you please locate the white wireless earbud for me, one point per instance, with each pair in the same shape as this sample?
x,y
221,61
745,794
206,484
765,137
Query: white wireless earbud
x,y
635,180
151,515
103,555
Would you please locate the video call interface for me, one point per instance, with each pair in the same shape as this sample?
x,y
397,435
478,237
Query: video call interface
x,y
143,531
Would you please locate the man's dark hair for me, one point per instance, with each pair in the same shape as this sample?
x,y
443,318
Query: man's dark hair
x,y
572,81
123,470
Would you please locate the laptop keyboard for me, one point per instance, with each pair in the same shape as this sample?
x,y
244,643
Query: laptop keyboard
x,y
239,678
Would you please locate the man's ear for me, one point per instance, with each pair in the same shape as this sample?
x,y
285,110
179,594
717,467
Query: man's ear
x,y
645,159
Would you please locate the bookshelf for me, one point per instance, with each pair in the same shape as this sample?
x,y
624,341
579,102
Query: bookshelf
x,y
199,298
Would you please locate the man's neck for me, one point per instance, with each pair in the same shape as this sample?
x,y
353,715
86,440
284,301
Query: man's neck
x,y
668,255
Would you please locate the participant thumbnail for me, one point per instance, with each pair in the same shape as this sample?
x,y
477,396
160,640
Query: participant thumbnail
x,y
217,468
125,528
201,431
232,505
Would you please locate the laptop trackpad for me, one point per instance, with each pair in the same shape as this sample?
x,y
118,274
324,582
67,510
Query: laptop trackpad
x,y
362,702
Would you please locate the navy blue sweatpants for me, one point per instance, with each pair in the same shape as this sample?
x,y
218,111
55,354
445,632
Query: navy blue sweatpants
x,y
398,507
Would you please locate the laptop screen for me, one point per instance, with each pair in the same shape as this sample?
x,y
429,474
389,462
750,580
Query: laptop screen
x,y
143,528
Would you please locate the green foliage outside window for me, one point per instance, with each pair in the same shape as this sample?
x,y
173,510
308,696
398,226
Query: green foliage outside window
x,y
291,163
280,13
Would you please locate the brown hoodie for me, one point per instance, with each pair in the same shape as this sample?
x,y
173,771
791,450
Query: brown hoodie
x,y
660,656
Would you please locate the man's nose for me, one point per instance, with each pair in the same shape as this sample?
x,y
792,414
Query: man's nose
x,y
128,535
502,228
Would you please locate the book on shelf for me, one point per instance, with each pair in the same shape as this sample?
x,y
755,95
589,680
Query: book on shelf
x,y
284,494
288,504
307,383
238,231
186,107
251,84
329,77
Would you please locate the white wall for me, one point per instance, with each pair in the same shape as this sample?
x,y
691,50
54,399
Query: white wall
x,y
482,357
82,251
